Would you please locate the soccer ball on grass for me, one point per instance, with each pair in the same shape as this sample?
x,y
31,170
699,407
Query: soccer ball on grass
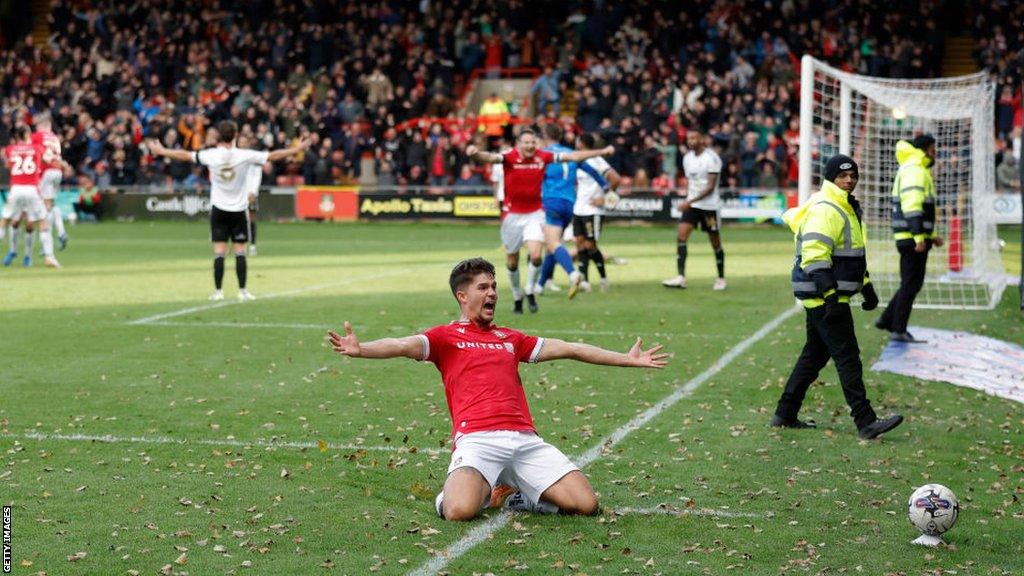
x,y
933,509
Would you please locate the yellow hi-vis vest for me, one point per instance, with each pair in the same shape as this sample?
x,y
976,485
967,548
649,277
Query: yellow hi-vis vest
x,y
913,195
828,235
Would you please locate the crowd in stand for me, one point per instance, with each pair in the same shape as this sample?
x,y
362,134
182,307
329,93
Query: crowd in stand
x,y
352,74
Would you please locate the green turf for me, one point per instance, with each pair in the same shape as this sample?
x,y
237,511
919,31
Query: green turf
x,y
231,381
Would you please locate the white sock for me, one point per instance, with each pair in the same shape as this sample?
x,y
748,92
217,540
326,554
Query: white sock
x,y
531,277
47,234
513,280
30,242
518,501
15,232
57,219
437,503
46,239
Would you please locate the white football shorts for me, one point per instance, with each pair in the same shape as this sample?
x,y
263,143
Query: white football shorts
x,y
23,199
519,228
522,460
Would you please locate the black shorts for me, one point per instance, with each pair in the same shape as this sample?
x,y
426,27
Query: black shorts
x,y
706,220
228,226
588,227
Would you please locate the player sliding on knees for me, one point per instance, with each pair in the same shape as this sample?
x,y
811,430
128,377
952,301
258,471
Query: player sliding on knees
x,y
496,447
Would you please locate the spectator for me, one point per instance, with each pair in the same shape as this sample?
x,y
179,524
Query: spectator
x,y
1007,174
467,177
89,206
546,90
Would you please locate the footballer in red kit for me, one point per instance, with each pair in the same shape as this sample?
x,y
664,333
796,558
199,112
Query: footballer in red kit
x,y
497,457
25,162
52,175
523,222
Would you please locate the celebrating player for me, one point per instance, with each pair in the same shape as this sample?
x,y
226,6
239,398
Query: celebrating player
x,y
586,219
53,174
558,195
228,167
495,441
523,168
25,162
702,167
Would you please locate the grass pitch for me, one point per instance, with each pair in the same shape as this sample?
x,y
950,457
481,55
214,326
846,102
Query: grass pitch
x,y
145,431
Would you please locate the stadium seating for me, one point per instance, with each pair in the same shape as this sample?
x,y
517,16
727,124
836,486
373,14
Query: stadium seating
x,y
360,76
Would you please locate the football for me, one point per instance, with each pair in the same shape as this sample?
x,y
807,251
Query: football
x,y
933,509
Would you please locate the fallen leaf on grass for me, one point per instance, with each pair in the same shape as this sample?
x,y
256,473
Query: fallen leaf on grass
x,y
77,556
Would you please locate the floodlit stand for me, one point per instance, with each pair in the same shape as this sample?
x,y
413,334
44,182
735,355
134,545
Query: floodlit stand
x,y
926,540
864,117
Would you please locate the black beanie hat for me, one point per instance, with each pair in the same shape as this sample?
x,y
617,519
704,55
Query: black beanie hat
x,y
839,163
923,141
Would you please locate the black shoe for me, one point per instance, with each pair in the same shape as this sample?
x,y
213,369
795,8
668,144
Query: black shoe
x,y
905,337
531,301
882,325
517,308
879,427
780,422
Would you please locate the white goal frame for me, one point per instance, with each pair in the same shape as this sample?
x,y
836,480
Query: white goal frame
x,y
863,117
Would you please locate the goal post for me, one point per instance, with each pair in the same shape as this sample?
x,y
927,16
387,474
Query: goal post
x,y
864,117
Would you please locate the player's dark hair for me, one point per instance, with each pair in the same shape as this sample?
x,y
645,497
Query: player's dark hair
x,y
588,141
553,132
21,132
465,271
524,132
226,131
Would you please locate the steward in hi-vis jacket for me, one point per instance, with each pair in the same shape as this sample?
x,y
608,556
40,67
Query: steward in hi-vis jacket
x,y
829,267
913,228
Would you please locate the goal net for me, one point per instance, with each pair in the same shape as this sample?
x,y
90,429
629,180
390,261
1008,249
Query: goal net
x,y
864,117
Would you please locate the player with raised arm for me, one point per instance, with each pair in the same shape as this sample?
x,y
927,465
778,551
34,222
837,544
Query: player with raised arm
x,y
25,162
523,167
53,174
700,209
586,219
494,438
558,194
228,167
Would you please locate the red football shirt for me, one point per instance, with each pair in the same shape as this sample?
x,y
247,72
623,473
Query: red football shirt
x,y
480,370
25,162
523,179
50,144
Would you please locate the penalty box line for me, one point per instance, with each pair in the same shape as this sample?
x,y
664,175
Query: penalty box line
x,y
233,442
192,309
486,530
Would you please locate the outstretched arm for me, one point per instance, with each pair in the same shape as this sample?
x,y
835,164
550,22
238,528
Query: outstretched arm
x,y
581,155
349,345
637,357
283,153
481,156
158,149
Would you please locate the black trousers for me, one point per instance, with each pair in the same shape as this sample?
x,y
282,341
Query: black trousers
x,y
838,341
912,269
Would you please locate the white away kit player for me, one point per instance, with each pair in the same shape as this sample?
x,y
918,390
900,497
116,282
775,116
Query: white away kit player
x,y
228,168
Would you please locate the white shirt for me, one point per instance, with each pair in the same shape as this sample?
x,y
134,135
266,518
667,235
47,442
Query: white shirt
x,y
229,169
498,179
253,178
697,169
587,189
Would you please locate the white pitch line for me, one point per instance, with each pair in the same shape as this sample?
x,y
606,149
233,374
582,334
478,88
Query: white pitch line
x,y
676,511
485,530
313,288
240,325
234,442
